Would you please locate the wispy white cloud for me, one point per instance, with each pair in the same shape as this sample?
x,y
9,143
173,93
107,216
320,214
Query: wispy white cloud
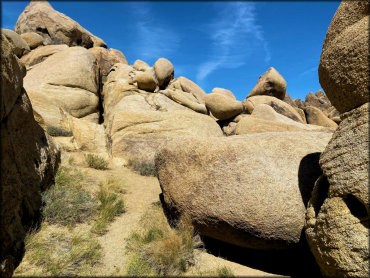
x,y
154,39
234,35
308,71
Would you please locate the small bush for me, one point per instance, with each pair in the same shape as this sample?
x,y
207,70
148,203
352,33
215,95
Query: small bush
x,y
224,272
110,205
96,162
158,249
66,203
60,253
142,167
58,131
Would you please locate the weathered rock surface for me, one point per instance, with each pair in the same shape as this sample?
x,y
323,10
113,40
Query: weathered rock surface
x,y
29,161
41,53
270,84
67,79
140,65
248,190
54,27
344,62
224,92
106,59
265,119
338,223
186,93
87,136
320,101
279,106
19,45
315,116
222,105
146,81
164,72
32,39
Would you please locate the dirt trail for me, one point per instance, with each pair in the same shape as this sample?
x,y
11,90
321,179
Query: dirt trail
x,y
141,192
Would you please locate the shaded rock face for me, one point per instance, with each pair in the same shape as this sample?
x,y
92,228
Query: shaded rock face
x,y
344,62
67,79
315,116
341,200
54,27
248,190
270,84
29,161
19,45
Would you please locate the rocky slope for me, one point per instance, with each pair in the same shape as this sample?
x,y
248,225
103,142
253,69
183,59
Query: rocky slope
x,y
242,171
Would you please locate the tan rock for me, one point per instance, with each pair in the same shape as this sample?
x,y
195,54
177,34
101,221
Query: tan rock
x,y
54,27
302,114
337,221
106,59
279,106
19,45
185,99
186,85
270,84
67,79
139,134
32,39
320,101
224,92
289,100
146,81
87,136
29,161
315,116
41,53
344,62
223,106
246,190
140,65
164,72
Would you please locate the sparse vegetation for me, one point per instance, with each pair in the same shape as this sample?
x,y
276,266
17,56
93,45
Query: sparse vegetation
x,y
225,272
142,167
71,160
58,131
157,249
67,203
111,205
59,252
96,162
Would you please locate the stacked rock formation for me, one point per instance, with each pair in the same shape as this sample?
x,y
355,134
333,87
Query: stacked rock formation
x,y
337,225
29,161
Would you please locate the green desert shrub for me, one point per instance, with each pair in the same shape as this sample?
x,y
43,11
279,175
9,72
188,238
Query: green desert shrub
x,y
225,272
58,131
59,253
157,249
96,162
110,205
142,167
67,202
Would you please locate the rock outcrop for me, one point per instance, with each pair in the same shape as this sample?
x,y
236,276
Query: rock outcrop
x,y
164,72
337,222
39,54
67,79
32,39
55,28
344,62
222,104
270,84
315,116
29,161
19,45
248,190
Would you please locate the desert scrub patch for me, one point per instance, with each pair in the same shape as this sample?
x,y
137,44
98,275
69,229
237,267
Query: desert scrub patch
x,y
58,131
59,252
110,204
142,167
96,162
224,272
157,249
67,203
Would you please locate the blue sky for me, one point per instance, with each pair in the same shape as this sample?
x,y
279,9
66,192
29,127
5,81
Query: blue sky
x,y
215,44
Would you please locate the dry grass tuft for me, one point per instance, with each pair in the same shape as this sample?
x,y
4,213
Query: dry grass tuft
x,y
157,249
96,162
224,272
142,167
58,131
